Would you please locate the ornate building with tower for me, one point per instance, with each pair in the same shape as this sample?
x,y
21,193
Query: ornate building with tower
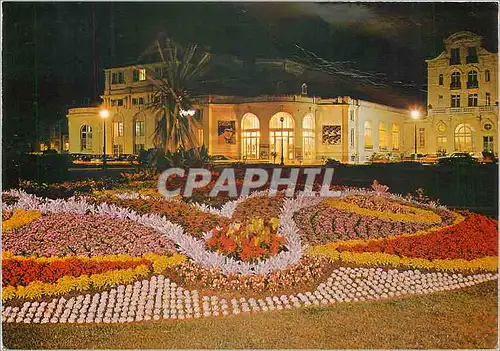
x,y
462,98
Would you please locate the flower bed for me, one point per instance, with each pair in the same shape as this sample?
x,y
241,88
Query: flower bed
x,y
475,237
18,219
22,271
194,221
70,234
308,270
245,259
321,224
252,240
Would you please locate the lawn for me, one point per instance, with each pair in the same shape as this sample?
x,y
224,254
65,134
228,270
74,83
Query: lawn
x,y
464,319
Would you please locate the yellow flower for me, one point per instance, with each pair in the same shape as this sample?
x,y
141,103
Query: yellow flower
x,y
20,218
419,215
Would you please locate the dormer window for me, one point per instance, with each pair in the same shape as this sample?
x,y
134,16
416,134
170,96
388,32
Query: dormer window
x,y
139,74
117,78
455,56
471,55
304,89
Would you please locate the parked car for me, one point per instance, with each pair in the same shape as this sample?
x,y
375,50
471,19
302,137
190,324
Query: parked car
x,y
384,158
457,158
488,157
412,158
221,159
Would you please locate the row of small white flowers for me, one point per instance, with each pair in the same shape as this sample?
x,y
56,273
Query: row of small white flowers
x,y
192,247
159,298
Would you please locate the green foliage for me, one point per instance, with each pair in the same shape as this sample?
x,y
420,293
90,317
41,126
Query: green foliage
x,y
186,158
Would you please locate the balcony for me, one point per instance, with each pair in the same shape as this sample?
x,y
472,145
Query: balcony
x,y
472,85
468,109
455,85
471,59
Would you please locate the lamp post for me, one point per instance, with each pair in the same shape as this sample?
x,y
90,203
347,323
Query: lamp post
x,y
104,114
415,114
282,119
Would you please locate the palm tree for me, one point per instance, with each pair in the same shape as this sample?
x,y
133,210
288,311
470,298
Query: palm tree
x,y
171,100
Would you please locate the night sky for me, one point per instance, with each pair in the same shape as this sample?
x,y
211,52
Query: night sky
x,y
385,43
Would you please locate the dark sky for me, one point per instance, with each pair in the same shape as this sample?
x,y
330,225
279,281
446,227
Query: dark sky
x,y
387,42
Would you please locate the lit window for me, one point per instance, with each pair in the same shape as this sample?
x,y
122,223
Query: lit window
x,y
117,149
282,133
441,142
488,99
139,74
382,136
142,74
139,128
395,137
250,136
421,137
200,136
308,137
488,143
368,135
86,138
118,129
487,75
463,138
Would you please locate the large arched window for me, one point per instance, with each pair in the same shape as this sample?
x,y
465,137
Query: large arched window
x,y
281,133
464,140
382,136
308,137
395,137
250,136
455,80
472,79
86,138
368,134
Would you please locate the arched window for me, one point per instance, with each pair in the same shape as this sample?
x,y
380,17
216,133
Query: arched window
x,y
464,140
308,137
395,137
455,80
250,136
368,135
86,138
472,79
487,75
382,136
441,79
281,133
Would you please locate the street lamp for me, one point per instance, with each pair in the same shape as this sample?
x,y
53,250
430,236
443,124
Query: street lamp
x,y
415,114
282,119
104,114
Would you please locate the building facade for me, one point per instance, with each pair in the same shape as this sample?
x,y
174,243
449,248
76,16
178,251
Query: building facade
x,y
462,99
307,129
